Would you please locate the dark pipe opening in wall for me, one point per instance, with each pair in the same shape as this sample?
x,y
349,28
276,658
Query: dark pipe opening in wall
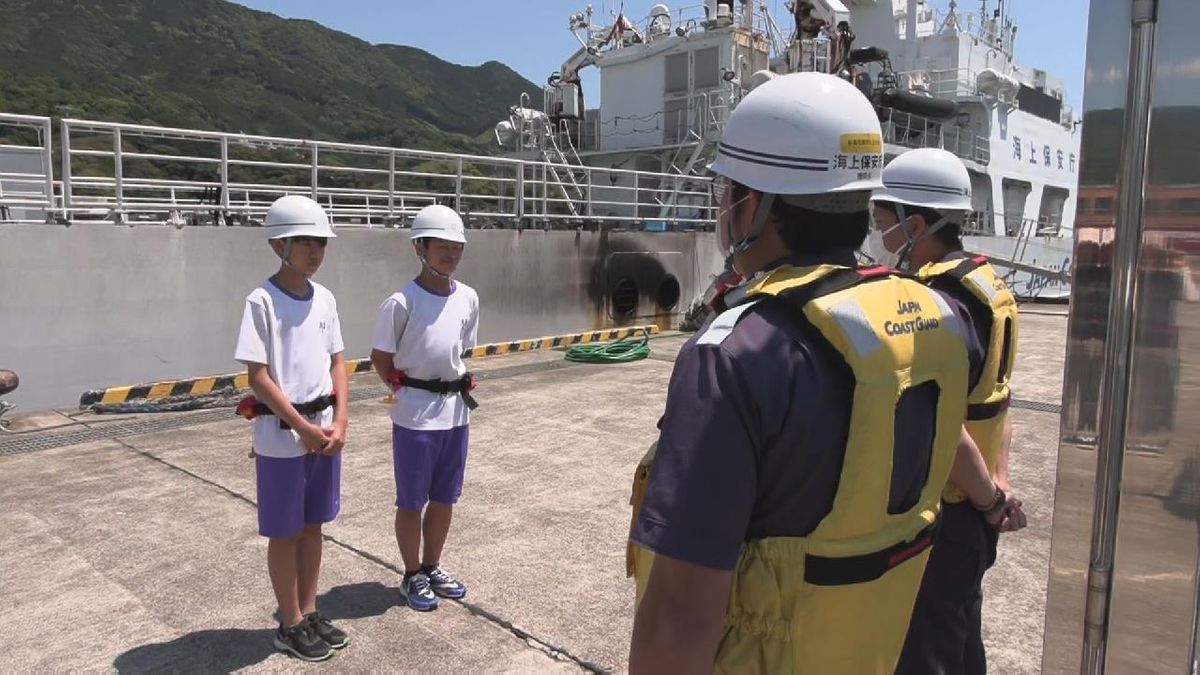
x,y
668,293
624,298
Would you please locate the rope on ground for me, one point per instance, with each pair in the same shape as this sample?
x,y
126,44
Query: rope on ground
x,y
218,399
620,351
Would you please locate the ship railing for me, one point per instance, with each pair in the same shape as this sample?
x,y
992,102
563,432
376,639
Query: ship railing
x,y
693,17
701,114
26,168
979,223
982,224
810,55
916,131
984,28
713,110
144,174
947,83
1067,117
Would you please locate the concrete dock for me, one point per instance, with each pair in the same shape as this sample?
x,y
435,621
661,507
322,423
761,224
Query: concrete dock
x,y
131,545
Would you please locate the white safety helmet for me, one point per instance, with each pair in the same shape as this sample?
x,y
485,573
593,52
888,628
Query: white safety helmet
x,y
929,177
802,134
438,222
811,139
297,216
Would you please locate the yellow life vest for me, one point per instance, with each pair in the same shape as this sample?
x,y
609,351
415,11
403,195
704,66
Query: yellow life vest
x,y
987,403
638,559
840,599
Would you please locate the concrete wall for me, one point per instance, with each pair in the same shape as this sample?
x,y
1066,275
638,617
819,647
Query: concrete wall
x,y
95,306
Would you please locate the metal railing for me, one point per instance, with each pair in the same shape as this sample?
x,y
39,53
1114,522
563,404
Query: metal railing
x,y
948,83
915,131
703,117
983,224
26,194
961,83
702,114
136,173
693,17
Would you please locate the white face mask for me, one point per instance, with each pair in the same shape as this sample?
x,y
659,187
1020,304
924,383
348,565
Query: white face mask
x,y
878,251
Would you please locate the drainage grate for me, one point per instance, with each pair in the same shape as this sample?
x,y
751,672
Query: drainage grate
x,y
104,430
1038,406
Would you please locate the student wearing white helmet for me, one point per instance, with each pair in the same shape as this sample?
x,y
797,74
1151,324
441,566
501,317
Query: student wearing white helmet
x,y
291,344
926,193
420,336
918,214
809,429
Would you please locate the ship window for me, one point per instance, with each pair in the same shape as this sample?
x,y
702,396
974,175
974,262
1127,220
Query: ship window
x,y
981,221
677,73
1016,192
1051,215
708,68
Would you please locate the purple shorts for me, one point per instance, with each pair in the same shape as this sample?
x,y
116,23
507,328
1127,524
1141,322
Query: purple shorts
x,y
297,491
428,465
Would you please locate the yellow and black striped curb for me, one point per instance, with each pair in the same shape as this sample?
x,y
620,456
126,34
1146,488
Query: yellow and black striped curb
x,y
551,342
204,386
200,386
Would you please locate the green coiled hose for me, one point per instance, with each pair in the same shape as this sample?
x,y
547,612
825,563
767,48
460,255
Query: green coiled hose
x,y
619,351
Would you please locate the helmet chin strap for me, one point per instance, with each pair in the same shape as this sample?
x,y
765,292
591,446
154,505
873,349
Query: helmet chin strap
x,y
906,250
756,229
287,254
437,273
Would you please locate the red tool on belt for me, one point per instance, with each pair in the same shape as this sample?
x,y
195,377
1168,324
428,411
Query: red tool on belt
x,y
246,407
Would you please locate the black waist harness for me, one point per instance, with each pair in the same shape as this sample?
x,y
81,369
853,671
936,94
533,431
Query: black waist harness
x,y
309,409
462,386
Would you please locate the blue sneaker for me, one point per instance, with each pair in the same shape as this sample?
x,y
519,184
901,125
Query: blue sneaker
x,y
417,592
443,584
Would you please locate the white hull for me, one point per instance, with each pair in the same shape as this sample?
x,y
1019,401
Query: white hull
x,y
1047,253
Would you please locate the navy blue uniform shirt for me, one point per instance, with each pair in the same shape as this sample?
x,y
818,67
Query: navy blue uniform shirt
x,y
755,430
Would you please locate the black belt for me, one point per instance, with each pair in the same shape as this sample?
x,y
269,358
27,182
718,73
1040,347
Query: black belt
x,y
985,411
823,571
461,386
306,409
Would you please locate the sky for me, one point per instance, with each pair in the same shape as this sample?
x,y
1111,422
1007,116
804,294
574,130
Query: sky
x,y
531,36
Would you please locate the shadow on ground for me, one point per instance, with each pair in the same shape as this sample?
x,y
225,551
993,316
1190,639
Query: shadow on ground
x,y
230,649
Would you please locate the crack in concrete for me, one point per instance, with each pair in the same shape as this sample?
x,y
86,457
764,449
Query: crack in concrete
x,y
550,649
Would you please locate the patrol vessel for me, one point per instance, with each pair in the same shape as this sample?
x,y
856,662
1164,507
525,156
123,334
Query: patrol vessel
x,y
946,79
586,218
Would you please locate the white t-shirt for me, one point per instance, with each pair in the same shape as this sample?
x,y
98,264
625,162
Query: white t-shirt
x,y
295,338
427,333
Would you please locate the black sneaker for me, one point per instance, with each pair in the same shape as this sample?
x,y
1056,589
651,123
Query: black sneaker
x,y
443,583
302,642
332,635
